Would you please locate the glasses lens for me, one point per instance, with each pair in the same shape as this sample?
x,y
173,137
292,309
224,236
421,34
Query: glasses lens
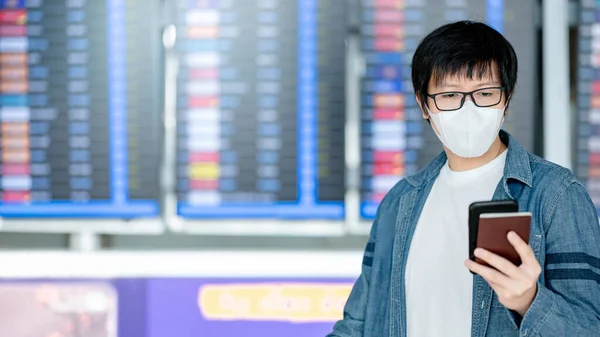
x,y
448,100
487,97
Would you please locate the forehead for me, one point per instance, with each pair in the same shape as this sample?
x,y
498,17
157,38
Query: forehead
x,y
483,74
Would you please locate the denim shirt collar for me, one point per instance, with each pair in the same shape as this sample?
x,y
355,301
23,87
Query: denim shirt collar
x,y
517,166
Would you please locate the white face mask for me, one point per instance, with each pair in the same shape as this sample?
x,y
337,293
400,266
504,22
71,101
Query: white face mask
x,y
469,131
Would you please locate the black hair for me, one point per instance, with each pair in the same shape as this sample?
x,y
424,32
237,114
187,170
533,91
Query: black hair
x,y
463,48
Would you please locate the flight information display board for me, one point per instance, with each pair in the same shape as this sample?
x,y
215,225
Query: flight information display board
x,y
587,152
260,108
396,141
79,109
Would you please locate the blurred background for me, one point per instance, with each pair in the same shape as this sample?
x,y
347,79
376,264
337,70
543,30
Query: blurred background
x,y
212,167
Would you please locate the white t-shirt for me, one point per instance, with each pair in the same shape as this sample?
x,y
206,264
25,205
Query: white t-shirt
x,y
438,285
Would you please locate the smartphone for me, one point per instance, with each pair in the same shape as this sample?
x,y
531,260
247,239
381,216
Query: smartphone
x,y
478,208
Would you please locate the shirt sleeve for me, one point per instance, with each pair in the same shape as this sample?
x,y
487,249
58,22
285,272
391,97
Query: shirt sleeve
x,y
352,323
568,302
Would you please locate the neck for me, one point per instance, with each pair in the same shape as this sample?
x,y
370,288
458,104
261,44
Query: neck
x,y
457,163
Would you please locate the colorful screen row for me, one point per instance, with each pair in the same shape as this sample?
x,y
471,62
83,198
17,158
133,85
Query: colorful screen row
x,y
260,106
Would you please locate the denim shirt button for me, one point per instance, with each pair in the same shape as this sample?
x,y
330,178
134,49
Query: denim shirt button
x,y
524,333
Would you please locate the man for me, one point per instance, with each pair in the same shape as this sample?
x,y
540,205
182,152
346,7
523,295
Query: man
x,y
416,278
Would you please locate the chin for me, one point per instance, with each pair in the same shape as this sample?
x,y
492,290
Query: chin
x,y
450,153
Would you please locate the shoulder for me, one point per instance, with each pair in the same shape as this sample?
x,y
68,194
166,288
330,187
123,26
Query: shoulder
x,y
383,229
388,207
411,183
550,177
555,185
395,193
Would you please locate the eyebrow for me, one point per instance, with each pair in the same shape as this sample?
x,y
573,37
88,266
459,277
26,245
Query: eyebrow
x,y
453,85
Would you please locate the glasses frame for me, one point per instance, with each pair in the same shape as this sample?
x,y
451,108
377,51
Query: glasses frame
x,y
465,94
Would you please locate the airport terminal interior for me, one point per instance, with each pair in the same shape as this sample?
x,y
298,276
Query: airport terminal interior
x,y
213,167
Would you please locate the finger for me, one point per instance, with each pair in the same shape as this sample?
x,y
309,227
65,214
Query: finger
x,y
498,289
501,264
489,274
522,248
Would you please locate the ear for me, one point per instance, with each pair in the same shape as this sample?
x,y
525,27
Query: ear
x,y
506,108
424,113
507,105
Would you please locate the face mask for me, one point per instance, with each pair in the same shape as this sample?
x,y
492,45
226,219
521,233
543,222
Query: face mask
x,y
469,131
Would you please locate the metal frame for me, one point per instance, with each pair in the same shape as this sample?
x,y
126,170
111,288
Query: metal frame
x,y
230,263
85,230
137,226
355,68
262,227
280,228
557,119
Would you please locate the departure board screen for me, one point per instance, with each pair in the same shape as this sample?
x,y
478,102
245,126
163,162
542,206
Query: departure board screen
x,y
79,105
261,108
587,152
396,141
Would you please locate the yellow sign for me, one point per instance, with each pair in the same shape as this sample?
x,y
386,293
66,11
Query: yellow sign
x,y
204,171
289,302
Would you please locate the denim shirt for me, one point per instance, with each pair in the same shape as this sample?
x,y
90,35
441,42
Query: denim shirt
x,y
565,237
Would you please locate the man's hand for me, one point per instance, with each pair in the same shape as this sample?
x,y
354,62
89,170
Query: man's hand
x,y
516,287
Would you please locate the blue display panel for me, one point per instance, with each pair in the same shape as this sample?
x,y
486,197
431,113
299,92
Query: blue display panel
x,y
396,141
261,109
79,109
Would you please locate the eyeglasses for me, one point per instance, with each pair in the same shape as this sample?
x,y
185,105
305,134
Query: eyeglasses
x,y
454,100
